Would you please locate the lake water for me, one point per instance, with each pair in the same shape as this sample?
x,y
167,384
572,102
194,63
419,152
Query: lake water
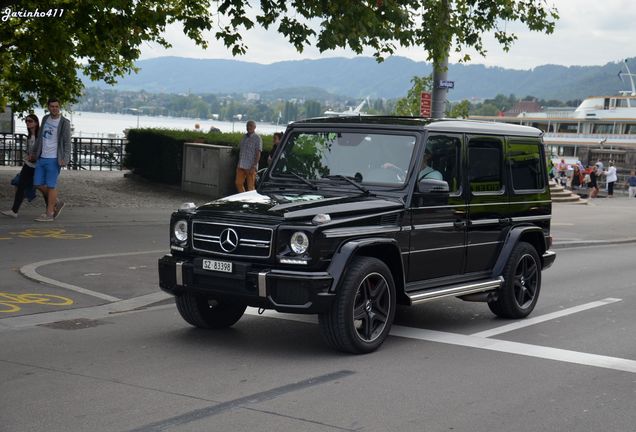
x,y
91,124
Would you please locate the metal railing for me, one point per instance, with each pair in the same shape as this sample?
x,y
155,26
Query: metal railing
x,y
105,154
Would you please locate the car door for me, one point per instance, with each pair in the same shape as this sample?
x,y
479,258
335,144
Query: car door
x,y
438,213
487,202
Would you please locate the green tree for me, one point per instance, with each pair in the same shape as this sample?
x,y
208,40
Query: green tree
x,y
311,109
410,105
459,110
486,109
40,57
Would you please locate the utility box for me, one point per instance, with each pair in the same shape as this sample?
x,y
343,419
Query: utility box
x,y
208,169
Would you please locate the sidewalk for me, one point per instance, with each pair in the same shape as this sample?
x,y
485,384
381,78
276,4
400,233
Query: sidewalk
x,y
108,196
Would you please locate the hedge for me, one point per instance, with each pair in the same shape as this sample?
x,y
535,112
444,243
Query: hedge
x,y
157,154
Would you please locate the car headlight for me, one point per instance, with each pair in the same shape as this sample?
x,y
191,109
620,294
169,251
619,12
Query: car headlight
x,y
299,242
180,230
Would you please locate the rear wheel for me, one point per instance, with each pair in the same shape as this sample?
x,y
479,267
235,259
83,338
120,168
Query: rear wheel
x,y
361,316
520,292
201,311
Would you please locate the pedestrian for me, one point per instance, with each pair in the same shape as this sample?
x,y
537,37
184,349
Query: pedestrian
x,y
53,151
593,183
599,164
562,168
611,177
631,181
575,181
250,149
24,186
551,168
278,136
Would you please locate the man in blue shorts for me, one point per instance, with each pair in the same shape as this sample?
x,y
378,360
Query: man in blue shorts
x,y
53,151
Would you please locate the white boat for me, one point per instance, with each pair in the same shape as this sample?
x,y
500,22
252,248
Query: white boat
x,y
601,127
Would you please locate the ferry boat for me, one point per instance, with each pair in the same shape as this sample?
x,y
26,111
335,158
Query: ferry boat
x,y
601,127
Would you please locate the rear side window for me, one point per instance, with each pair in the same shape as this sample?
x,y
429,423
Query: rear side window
x,y
526,169
441,160
485,161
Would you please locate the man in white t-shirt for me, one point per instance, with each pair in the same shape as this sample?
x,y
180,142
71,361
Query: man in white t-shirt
x,y
53,151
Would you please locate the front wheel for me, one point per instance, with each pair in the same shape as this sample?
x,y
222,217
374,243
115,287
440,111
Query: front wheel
x,y
361,316
522,283
203,312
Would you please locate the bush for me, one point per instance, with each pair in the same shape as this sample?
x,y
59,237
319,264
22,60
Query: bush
x,y
157,154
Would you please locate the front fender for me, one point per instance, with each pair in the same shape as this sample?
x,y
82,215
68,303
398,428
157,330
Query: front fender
x,y
367,247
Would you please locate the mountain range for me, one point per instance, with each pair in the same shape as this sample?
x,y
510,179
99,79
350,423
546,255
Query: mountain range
x,y
362,76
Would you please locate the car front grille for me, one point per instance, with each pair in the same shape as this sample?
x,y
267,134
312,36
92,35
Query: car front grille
x,y
231,239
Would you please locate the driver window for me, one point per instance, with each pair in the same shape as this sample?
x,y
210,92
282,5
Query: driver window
x,y
441,160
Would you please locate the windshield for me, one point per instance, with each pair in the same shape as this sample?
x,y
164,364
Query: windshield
x,y
363,157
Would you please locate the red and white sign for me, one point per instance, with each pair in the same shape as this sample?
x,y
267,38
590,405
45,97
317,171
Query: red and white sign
x,y
425,105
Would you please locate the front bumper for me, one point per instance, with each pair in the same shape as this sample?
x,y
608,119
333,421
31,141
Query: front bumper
x,y
282,290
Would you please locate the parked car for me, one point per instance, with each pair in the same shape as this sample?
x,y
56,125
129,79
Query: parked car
x,y
356,215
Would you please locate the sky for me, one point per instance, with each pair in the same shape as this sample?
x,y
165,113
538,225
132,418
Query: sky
x,y
588,32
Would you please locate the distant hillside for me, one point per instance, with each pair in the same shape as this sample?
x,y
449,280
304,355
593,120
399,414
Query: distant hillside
x,y
363,76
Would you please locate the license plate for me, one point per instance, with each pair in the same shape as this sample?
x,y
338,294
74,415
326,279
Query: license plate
x,y
220,266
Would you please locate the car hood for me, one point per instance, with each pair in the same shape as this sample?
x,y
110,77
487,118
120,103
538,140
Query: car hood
x,y
292,206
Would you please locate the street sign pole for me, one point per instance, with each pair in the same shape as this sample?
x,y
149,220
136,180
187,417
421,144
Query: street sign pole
x,y
440,74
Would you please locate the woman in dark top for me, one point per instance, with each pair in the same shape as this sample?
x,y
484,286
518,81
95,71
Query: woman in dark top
x,y
278,136
25,183
576,177
593,182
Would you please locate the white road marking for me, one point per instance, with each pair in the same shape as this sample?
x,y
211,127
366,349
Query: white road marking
x,y
542,318
481,342
30,271
523,349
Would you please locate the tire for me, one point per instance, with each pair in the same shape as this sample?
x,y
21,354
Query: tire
x,y
522,283
360,317
203,312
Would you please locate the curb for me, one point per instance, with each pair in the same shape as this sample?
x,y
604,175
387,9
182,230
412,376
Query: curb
x,y
134,304
587,243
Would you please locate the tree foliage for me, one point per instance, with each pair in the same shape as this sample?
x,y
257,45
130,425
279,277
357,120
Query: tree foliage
x,y
39,56
459,110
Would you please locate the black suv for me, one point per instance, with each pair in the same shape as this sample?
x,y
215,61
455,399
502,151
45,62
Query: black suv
x,y
359,214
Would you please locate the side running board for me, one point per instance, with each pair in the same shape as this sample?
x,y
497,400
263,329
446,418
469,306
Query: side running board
x,y
454,291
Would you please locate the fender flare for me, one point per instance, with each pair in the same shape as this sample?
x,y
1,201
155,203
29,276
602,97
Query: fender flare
x,y
348,250
512,239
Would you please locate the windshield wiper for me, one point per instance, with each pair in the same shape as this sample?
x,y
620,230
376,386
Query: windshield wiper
x,y
303,179
350,181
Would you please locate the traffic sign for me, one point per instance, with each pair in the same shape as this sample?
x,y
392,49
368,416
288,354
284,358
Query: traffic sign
x,y
425,104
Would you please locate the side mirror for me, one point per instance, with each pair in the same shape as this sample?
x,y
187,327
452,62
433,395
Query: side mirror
x,y
432,186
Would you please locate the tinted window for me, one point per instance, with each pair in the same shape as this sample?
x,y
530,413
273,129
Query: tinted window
x,y
484,164
525,165
441,160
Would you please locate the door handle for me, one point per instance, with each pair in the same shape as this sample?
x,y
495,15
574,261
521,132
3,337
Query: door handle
x,y
460,224
505,221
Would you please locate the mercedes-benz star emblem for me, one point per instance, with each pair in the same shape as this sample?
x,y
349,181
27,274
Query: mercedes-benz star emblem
x,y
229,239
